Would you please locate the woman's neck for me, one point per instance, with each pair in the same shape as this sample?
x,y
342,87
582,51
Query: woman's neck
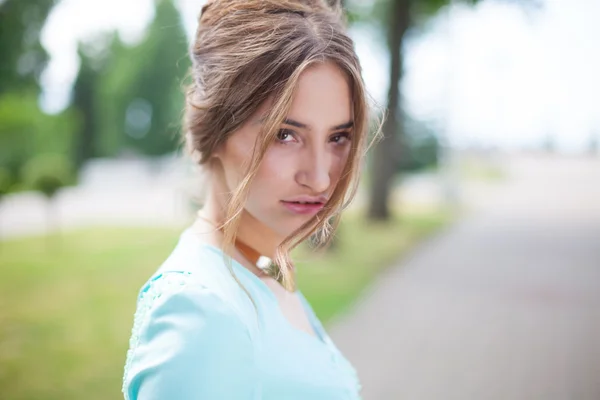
x,y
250,231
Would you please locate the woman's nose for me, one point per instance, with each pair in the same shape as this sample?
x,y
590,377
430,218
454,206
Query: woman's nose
x,y
315,171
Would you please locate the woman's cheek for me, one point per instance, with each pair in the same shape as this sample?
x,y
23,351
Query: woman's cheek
x,y
277,167
340,160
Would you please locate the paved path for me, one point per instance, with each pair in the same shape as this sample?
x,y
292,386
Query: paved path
x,y
504,305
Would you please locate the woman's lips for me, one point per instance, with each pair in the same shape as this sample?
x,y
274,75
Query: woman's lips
x,y
303,208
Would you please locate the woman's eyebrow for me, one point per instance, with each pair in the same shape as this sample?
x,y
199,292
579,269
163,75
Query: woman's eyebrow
x,y
300,125
297,124
347,125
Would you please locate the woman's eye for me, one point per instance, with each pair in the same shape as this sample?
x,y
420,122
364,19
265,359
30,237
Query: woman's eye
x,y
285,135
341,137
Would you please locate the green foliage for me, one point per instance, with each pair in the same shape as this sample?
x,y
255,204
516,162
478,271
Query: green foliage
x,y
47,173
20,119
377,11
86,100
421,153
421,147
125,97
141,96
26,131
5,181
110,89
22,57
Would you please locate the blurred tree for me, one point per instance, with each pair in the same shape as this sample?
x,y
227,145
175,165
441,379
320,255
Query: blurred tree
x,y
421,145
4,186
111,90
47,173
23,57
26,131
19,116
141,93
4,182
398,17
84,101
397,20
95,57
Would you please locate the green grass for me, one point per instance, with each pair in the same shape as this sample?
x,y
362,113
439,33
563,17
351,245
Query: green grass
x,y
67,302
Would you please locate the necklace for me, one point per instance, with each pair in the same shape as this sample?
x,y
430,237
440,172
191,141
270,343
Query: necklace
x,y
264,263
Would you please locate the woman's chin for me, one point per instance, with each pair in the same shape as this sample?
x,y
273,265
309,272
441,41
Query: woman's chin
x,y
293,225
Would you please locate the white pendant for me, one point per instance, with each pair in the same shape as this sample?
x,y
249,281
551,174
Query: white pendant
x,y
264,262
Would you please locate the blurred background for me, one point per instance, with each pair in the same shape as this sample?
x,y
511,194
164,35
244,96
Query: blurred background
x,y
474,238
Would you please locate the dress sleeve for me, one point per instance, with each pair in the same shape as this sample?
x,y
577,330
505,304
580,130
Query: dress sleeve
x,y
187,344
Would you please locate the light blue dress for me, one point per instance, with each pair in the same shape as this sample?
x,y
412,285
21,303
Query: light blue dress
x,y
196,335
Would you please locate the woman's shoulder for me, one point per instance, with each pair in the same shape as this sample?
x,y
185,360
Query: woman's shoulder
x,y
178,323
191,278
193,264
198,270
180,297
174,294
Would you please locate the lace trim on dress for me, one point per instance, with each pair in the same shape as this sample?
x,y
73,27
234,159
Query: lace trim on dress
x,y
169,282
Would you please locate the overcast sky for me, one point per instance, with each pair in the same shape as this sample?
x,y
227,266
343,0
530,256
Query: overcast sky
x,y
491,74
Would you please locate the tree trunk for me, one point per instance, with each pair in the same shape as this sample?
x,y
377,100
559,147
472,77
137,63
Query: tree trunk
x,y
387,150
85,139
83,100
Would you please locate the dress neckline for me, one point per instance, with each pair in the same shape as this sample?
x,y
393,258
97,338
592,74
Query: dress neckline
x,y
319,336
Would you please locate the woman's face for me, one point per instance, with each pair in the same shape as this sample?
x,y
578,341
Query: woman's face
x,y
305,162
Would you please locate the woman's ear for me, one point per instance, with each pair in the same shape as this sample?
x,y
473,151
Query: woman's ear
x,y
216,153
215,158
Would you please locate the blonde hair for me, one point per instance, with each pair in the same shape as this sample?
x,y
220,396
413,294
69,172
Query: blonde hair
x,y
246,52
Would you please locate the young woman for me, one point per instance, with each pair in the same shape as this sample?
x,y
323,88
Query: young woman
x,y
277,117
